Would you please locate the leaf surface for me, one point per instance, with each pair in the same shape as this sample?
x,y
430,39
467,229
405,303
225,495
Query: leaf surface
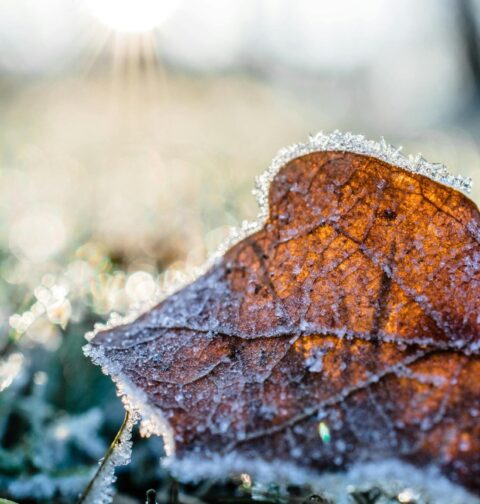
x,y
347,329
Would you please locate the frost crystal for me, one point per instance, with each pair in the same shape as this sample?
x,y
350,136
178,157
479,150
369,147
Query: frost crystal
x,y
151,422
101,490
330,330
392,476
344,142
357,144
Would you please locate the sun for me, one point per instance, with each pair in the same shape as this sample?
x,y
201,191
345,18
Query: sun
x,y
133,16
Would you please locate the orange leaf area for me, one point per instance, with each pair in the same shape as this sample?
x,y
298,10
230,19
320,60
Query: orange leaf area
x,y
347,329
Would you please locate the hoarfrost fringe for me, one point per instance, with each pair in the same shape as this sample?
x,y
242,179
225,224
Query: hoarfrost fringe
x,y
321,142
343,142
99,491
135,403
392,476
152,420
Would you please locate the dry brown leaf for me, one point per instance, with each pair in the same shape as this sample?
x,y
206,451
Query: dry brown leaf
x,y
346,330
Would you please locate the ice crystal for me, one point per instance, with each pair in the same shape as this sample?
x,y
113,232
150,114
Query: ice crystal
x,y
151,423
101,491
320,142
357,144
395,478
135,401
191,312
343,142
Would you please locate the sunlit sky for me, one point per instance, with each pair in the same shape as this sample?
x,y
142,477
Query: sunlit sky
x,y
135,16
212,34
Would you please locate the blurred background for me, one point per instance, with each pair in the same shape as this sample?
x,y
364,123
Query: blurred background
x,y
131,132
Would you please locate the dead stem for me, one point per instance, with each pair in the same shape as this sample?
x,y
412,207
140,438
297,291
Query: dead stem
x,y
108,454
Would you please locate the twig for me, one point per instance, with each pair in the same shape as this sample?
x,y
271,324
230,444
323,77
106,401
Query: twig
x,y
108,454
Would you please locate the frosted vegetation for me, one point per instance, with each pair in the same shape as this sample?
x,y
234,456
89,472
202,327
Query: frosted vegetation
x,y
396,480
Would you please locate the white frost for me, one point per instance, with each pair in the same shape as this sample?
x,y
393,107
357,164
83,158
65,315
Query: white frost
x,y
151,422
321,142
392,476
343,142
428,483
101,491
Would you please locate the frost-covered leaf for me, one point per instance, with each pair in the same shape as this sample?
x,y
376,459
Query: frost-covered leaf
x,y
345,330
